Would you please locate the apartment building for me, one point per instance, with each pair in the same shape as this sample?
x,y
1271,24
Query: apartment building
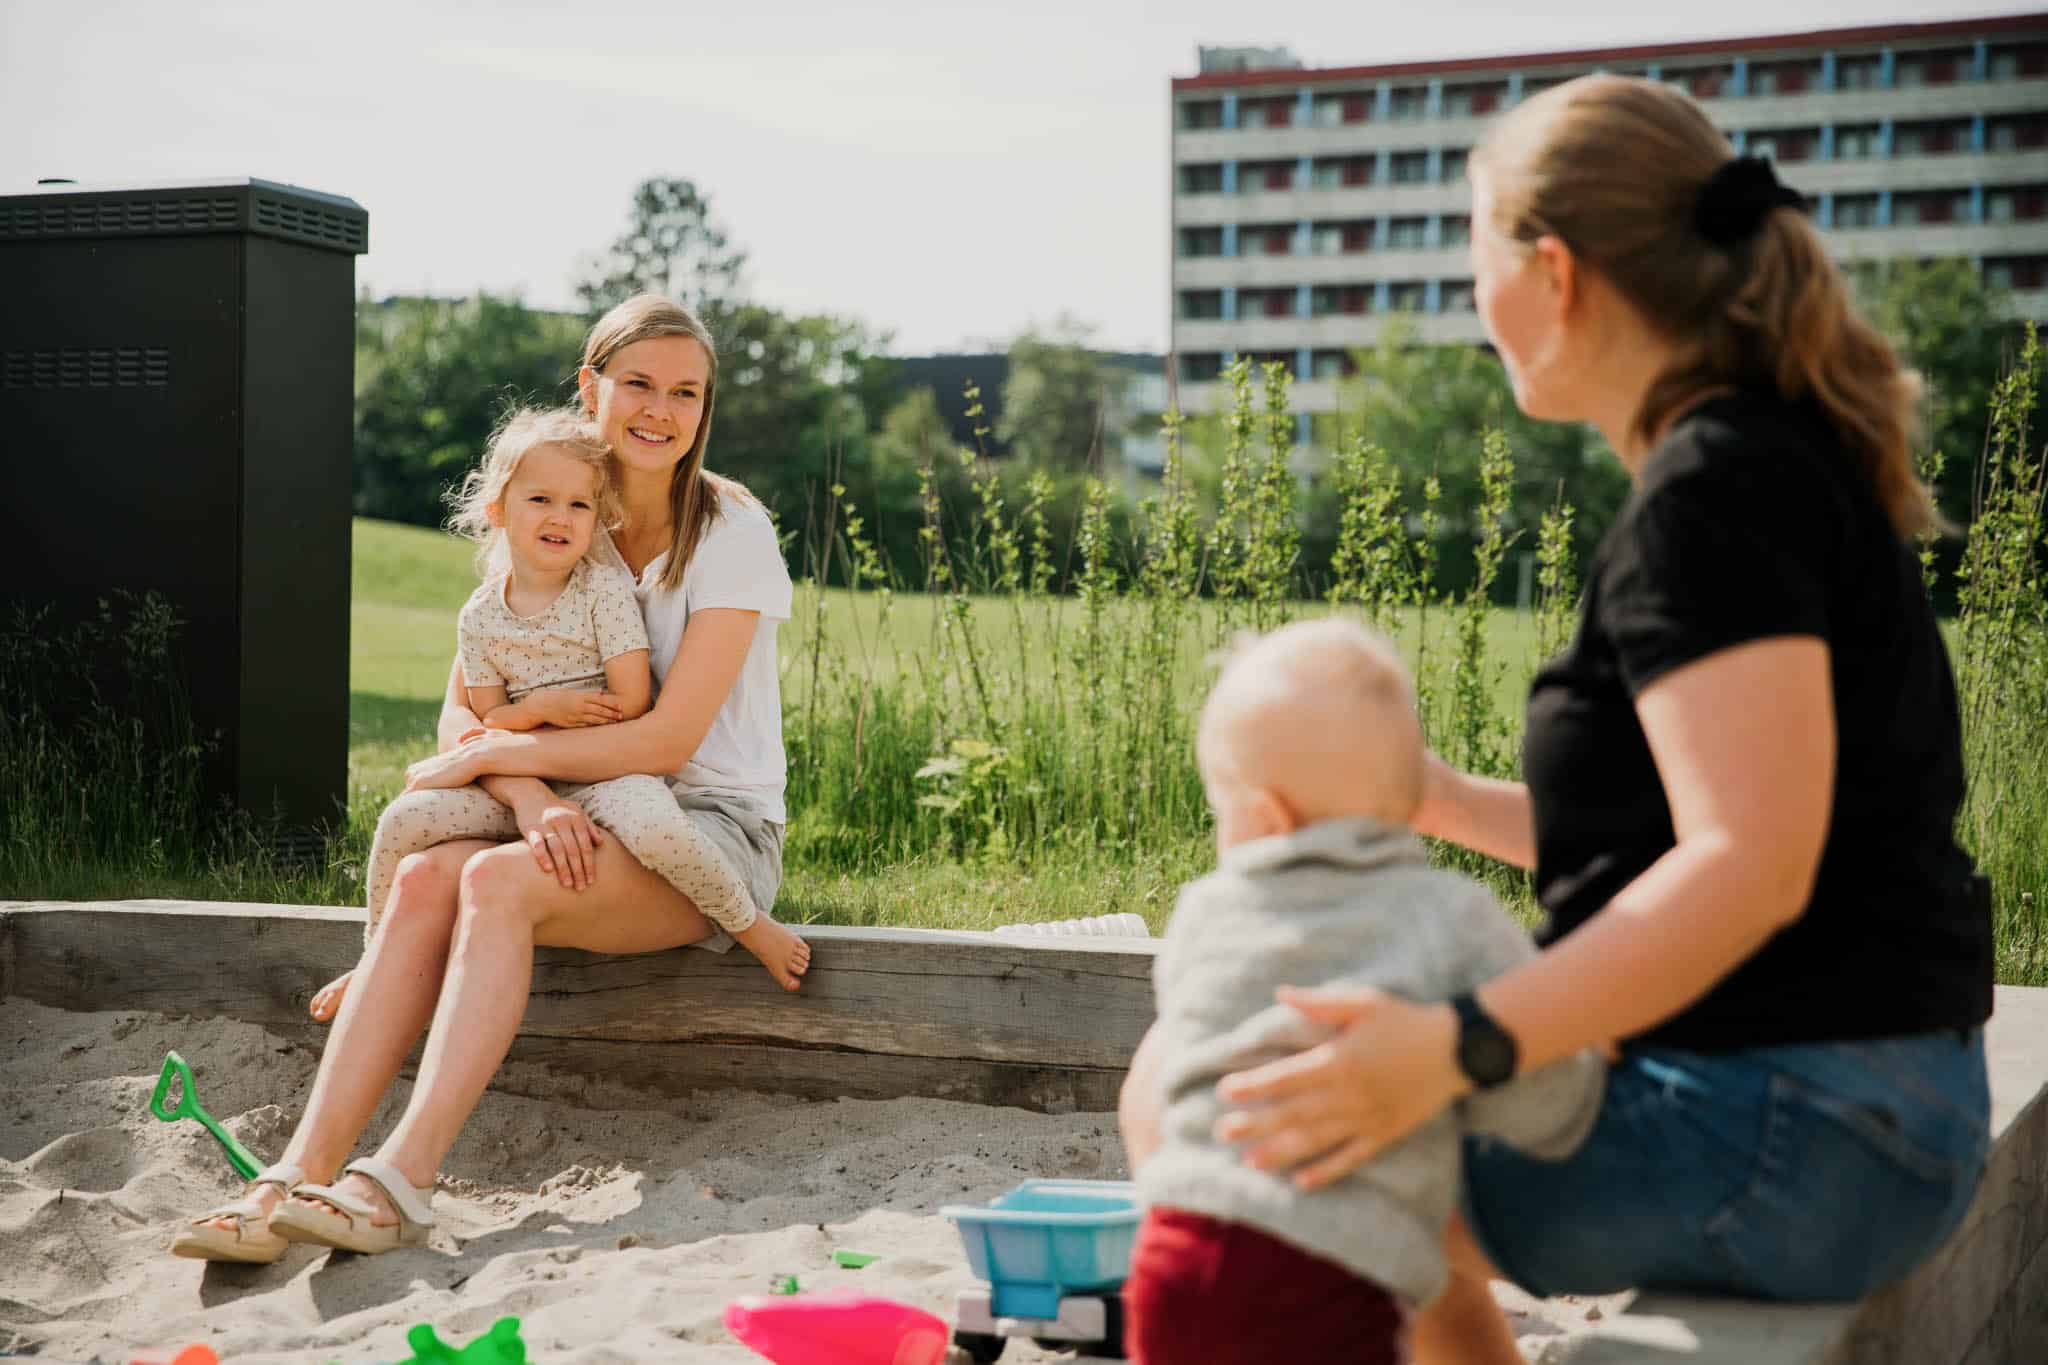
x,y
1309,204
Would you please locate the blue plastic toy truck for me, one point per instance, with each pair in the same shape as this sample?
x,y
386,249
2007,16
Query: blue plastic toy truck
x,y
1054,1254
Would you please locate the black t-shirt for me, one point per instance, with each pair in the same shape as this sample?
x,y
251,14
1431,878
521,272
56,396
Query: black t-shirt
x,y
1750,521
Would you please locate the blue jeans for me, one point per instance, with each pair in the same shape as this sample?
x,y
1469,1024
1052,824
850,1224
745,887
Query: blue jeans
x,y
1813,1171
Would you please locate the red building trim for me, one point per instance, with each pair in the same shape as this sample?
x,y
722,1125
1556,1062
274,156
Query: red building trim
x,y
1832,37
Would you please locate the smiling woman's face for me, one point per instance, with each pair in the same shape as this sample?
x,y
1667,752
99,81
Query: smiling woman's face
x,y
1509,292
649,401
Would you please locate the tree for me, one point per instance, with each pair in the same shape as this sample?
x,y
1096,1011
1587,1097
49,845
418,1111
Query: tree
x,y
1056,401
671,246
1958,331
433,377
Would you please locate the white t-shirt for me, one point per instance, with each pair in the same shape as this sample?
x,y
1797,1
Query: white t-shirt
x,y
738,564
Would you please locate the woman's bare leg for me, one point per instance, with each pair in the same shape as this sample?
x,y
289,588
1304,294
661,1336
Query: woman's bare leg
x,y
1463,1325
398,979
507,907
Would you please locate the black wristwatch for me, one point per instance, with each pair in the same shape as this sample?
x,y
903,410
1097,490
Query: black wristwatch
x,y
1486,1053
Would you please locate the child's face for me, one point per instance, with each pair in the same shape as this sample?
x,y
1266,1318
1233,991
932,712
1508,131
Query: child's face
x,y
549,510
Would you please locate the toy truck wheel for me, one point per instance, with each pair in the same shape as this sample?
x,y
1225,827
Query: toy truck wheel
x,y
981,1347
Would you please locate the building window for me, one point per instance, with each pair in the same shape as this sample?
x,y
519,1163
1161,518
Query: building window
x,y
2019,60
1409,296
1855,210
1454,164
2016,272
2016,204
1859,73
1265,239
1341,172
1333,300
1701,82
1349,106
1474,101
1536,85
1457,296
1409,168
1783,78
1197,304
1457,230
1201,114
1856,141
1936,137
1201,241
1932,206
1784,144
1201,179
1266,303
1407,233
1330,239
1931,68
1276,112
1332,365
1408,102
1265,177
1201,367
2019,133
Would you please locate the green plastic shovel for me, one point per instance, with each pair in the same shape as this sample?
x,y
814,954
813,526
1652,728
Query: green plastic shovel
x,y
188,1108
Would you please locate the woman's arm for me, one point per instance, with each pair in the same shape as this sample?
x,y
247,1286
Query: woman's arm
x,y
1481,813
708,661
1744,742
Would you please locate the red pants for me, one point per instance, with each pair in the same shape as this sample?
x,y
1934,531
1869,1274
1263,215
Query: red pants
x,y
1206,1292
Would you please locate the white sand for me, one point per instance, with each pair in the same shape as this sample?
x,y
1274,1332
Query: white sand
x,y
618,1229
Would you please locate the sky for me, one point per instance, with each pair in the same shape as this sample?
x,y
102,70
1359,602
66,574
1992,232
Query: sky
x,y
947,174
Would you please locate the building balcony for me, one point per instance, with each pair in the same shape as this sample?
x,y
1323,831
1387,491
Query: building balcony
x,y
1949,171
1339,332
1899,104
1350,267
1286,206
1938,239
1277,144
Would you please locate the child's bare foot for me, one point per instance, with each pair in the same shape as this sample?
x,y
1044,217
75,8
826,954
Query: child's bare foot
x,y
786,956
327,1000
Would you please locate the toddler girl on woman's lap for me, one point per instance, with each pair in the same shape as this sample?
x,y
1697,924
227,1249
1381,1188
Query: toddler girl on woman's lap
x,y
555,638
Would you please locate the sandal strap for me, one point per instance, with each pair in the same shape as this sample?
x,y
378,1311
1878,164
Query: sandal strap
x,y
408,1202
344,1203
246,1209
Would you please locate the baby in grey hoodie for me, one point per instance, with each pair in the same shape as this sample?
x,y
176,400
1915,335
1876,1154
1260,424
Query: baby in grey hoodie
x,y
1311,731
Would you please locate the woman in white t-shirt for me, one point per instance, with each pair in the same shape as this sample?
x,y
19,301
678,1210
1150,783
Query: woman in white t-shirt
x,y
456,945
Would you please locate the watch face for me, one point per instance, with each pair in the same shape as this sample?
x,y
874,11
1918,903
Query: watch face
x,y
1485,1053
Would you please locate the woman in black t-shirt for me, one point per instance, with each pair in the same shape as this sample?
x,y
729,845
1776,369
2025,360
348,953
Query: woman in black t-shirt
x,y
1742,775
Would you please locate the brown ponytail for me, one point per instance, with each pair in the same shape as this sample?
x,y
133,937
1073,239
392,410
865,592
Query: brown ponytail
x,y
1613,166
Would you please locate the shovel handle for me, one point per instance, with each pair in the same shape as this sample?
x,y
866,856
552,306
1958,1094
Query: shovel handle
x,y
176,1068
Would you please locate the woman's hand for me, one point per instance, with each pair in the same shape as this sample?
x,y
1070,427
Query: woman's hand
x,y
562,838
1327,1110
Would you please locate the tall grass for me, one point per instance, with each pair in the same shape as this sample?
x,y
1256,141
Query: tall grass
x,y
970,746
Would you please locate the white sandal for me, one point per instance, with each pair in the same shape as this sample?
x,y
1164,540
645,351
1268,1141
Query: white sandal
x,y
346,1224
253,1240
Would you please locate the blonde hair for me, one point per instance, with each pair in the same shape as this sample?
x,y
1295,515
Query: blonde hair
x,y
1613,166
521,432
694,491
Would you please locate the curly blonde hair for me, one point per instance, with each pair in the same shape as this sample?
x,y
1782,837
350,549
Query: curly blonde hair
x,y
521,432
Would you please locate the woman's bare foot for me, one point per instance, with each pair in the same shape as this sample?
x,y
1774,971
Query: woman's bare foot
x,y
786,956
327,1000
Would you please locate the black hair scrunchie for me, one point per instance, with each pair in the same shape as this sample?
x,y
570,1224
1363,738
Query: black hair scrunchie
x,y
1733,202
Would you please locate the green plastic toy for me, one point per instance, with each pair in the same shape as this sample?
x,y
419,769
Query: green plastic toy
x,y
188,1108
499,1346
853,1260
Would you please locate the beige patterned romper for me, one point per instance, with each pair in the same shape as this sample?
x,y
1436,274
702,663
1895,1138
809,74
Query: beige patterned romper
x,y
595,618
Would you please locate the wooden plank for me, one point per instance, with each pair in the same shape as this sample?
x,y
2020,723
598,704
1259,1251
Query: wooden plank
x,y
883,1010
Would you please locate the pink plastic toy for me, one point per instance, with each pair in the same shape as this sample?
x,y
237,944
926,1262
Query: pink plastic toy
x,y
837,1329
